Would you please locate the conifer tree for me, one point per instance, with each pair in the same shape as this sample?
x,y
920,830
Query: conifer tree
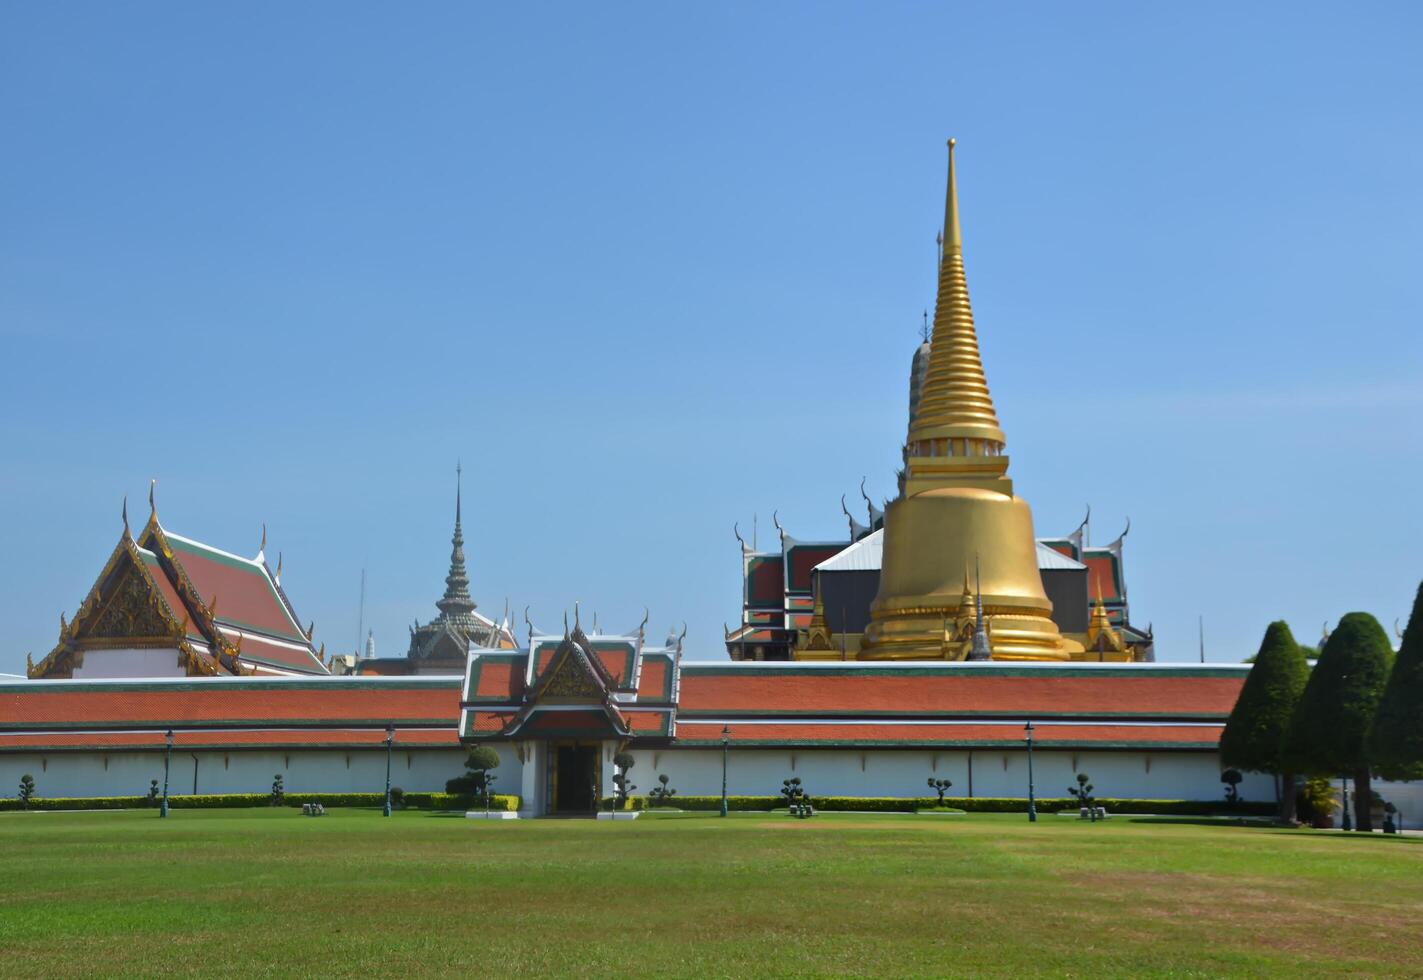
x,y
1255,732
1329,733
1396,742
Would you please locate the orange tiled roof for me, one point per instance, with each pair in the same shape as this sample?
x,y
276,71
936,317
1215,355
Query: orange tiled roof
x,y
1046,735
219,703
948,690
268,738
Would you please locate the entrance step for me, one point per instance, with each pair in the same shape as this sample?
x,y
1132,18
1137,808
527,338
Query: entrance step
x,y
619,815
491,815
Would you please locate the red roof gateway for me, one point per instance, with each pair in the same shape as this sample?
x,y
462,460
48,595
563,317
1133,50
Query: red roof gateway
x,y
166,605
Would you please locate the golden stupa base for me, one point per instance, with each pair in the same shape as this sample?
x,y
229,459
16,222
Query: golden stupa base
x,y
943,546
918,634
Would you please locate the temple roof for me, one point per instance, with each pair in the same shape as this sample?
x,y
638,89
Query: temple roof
x,y
867,555
238,597
950,690
228,712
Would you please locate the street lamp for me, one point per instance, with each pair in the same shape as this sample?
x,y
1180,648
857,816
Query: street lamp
x,y
725,745
1348,817
389,739
167,754
1032,803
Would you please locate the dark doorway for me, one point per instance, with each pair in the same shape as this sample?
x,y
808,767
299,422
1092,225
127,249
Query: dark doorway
x,y
576,774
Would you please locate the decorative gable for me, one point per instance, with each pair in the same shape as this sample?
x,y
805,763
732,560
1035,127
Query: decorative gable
x,y
132,610
571,676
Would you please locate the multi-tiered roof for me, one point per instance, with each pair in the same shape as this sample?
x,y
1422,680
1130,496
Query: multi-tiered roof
x,y
217,612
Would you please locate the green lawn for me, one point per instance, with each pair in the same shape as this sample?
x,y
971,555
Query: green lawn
x,y
353,894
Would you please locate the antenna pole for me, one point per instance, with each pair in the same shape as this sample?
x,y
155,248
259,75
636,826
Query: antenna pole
x,y
1203,638
361,616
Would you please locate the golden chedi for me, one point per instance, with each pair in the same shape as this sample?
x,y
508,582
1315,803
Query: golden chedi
x,y
956,510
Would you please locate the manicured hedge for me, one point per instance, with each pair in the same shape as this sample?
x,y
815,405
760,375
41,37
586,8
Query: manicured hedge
x,y
977,804
419,801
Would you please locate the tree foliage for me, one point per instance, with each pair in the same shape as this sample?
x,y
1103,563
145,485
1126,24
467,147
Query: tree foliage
x,y
1255,732
27,790
622,785
479,762
1329,732
1396,741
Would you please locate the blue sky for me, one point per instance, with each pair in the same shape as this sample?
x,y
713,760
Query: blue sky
x,y
652,269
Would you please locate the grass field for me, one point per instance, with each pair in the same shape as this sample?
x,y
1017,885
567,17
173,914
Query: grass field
x,y
270,892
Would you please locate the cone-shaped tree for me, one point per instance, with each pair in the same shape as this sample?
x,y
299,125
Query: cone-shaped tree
x,y
1329,733
1396,743
1255,732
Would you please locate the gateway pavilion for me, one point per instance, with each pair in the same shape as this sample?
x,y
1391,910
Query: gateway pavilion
x,y
919,648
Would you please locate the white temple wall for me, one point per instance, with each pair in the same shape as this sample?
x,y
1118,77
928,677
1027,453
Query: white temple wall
x,y
693,772
127,662
905,773
315,771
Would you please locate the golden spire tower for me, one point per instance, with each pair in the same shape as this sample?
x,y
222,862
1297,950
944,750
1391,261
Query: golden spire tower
x,y
957,503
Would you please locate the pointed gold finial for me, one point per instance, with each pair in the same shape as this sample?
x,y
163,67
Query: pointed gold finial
x,y
262,548
279,568
953,234
955,417
125,514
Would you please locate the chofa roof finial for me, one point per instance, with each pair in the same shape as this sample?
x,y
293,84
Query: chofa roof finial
x,y
152,507
125,515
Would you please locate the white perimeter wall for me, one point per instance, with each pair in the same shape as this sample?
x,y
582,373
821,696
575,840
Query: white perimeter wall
x,y
905,773
128,773
693,772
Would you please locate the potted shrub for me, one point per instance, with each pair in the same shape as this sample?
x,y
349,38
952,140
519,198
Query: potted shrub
x,y
622,786
939,786
477,778
1231,778
1087,803
661,795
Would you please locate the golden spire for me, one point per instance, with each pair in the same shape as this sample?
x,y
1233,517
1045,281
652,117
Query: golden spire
x,y
954,403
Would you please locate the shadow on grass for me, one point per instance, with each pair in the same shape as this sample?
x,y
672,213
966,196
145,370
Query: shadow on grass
x,y
1258,822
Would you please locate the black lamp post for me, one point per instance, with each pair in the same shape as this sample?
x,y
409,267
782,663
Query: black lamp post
x,y
1032,803
1348,817
167,755
725,746
389,740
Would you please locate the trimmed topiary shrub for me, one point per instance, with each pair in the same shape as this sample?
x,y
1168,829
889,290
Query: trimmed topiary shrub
x,y
27,791
478,778
661,795
1396,739
939,786
1254,733
1330,729
622,784
1231,778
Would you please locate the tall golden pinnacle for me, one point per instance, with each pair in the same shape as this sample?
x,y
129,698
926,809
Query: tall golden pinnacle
x,y
954,402
958,505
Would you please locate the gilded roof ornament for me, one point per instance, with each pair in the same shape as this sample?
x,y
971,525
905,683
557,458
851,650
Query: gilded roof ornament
x,y
152,507
125,516
954,401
